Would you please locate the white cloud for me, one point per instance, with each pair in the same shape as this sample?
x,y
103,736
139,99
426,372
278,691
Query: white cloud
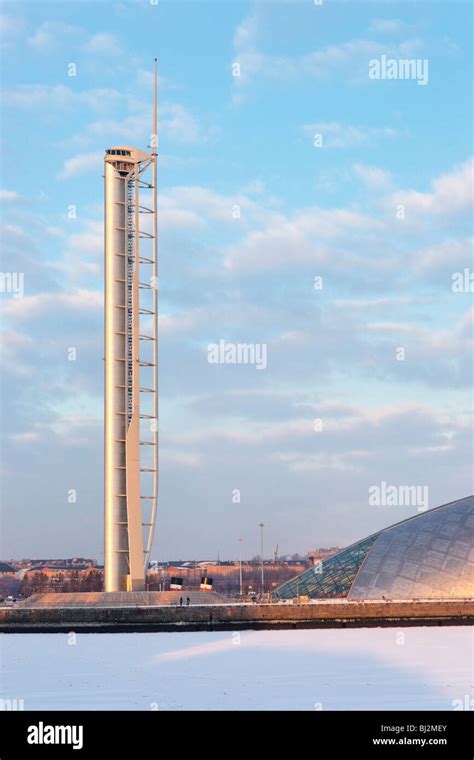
x,y
10,339
23,309
89,241
179,123
181,458
246,32
50,34
145,80
256,187
451,193
388,26
337,135
30,436
81,163
82,252
372,176
245,54
59,98
14,348
448,256
9,25
209,203
103,43
391,302
36,95
429,343
352,56
184,322
173,217
13,233
8,196
390,327
176,122
303,238
355,433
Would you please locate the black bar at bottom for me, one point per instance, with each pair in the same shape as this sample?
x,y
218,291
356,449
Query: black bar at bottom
x,y
376,734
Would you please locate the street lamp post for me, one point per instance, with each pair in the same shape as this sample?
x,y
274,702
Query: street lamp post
x,y
240,565
261,525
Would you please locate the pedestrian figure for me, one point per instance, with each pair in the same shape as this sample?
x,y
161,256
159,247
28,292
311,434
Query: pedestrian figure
x,y
181,602
188,601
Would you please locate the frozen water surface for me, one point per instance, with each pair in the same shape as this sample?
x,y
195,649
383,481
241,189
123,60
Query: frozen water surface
x,y
351,669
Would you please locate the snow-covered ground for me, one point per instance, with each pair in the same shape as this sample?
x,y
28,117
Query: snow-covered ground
x,y
352,669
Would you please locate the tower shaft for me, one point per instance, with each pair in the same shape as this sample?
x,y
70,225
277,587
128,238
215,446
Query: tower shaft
x,y
130,432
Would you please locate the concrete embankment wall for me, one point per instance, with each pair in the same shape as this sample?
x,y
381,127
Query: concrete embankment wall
x,y
237,616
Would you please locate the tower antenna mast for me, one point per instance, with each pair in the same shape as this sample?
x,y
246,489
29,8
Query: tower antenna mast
x,y
154,170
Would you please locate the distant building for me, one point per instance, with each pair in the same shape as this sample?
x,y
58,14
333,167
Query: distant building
x,y
225,574
9,581
316,555
70,563
229,568
6,569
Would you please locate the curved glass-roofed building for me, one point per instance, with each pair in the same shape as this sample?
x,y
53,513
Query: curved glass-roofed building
x,y
428,556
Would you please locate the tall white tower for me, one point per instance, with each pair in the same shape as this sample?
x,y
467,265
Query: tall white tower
x,y
131,363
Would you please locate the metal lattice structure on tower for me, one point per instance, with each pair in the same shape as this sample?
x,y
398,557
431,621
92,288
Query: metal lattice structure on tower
x,y
131,363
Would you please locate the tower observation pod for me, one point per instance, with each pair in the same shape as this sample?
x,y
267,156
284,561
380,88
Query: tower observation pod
x,y
131,363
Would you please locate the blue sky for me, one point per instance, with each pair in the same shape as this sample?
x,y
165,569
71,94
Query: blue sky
x,y
305,211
